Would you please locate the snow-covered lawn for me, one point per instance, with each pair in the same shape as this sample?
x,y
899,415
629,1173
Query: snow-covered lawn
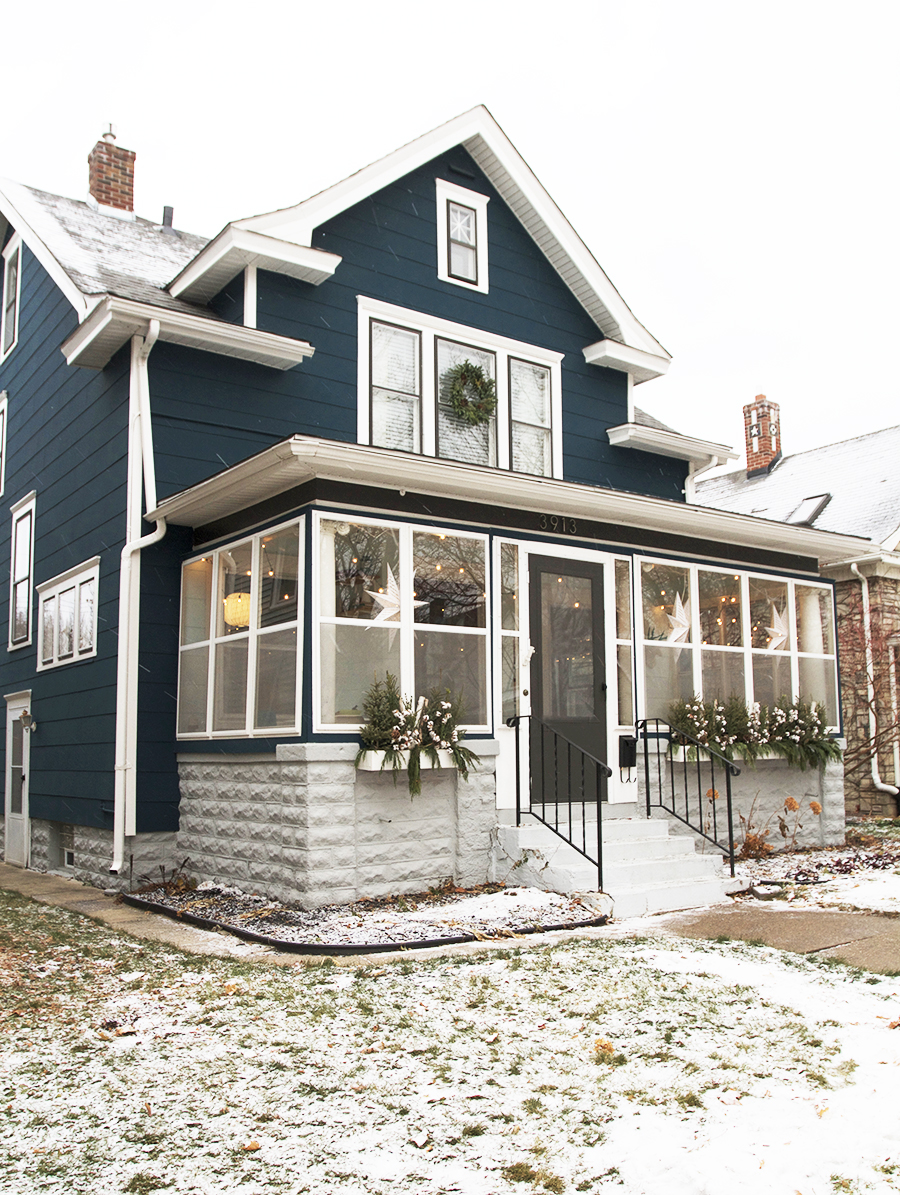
x,y
640,1064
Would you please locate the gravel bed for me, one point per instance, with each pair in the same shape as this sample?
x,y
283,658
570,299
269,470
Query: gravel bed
x,y
447,914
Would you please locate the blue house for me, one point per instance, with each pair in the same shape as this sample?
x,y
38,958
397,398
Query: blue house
x,y
251,475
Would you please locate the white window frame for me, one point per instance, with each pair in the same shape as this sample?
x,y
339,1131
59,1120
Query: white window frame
x,y
49,592
445,194
4,422
407,626
18,511
254,634
13,248
792,653
430,328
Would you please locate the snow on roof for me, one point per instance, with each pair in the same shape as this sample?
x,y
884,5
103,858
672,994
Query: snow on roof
x,y
645,420
861,475
102,254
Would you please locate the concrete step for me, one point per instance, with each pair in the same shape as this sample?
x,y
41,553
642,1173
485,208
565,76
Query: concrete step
x,y
645,869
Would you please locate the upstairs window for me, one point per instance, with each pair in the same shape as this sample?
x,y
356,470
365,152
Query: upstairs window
x,y
21,571
405,400
462,244
9,324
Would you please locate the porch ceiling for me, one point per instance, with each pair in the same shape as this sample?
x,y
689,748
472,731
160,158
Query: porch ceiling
x,y
302,458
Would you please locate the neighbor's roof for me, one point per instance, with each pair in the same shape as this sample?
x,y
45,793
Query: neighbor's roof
x,y
861,477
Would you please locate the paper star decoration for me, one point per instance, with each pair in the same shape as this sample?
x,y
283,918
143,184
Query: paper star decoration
x,y
389,601
779,631
679,621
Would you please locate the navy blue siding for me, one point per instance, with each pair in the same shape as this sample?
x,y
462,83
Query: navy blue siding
x,y
211,412
66,440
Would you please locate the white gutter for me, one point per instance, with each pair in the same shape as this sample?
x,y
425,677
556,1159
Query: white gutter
x,y
697,469
880,785
141,467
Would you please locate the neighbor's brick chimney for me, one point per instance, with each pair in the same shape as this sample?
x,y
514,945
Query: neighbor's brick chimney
x,y
762,433
112,173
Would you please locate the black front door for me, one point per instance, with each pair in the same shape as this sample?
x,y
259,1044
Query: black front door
x,y
568,677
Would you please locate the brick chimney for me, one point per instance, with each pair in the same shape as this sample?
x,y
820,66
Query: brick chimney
x,y
112,174
762,433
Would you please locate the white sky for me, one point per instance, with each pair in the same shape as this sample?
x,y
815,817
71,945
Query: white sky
x,y
732,166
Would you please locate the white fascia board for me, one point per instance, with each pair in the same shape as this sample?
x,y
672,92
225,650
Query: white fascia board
x,y
115,321
302,458
662,443
892,542
16,205
235,248
642,366
510,174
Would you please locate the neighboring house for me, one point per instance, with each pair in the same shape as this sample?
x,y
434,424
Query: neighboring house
x,y
240,491
853,488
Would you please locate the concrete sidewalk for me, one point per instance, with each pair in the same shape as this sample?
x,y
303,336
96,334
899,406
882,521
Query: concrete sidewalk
x,y
864,940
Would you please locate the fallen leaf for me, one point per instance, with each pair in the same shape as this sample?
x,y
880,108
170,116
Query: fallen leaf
x,y
250,1146
820,1112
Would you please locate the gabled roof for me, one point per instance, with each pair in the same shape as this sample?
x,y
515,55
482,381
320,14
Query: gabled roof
x,y
483,138
861,476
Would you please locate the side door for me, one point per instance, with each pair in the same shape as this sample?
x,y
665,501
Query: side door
x,y
17,842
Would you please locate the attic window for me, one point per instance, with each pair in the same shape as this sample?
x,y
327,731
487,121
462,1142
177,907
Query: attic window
x,y
12,258
809,510
462,249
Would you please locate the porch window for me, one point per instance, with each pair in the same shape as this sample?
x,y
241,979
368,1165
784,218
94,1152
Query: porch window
x,y
405,359
239,637
720,633
402,600
624,649
511,632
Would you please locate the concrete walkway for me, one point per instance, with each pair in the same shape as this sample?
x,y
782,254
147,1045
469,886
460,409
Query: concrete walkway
x,y
865,940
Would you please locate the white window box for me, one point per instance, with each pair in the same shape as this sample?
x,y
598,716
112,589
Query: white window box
x,y
376,761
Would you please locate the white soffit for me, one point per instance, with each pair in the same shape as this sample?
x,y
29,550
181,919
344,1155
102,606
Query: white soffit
x,y
235,248
480,134
302,458
663,443
642,366
115,321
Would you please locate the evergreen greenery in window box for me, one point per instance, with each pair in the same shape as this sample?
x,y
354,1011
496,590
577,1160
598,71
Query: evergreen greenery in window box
x,y
401,733
792,730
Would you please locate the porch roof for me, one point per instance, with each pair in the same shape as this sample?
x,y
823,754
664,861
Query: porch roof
x,y
300,459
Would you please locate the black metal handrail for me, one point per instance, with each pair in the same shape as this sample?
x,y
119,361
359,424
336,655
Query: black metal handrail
x,y
676,780
559,782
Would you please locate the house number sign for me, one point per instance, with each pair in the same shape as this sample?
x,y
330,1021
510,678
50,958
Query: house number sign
x,y
558,523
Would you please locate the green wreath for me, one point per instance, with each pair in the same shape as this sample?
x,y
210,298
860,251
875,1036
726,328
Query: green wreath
x,y
473,395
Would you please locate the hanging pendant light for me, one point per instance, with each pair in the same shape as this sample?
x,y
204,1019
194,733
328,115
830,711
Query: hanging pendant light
x,y
237,609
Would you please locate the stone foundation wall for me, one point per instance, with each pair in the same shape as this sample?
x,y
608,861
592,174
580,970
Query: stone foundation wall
x,y
759,794
93,852
305,826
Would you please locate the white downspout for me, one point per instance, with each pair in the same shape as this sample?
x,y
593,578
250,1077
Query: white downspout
x,y
880,785
690,482
141,467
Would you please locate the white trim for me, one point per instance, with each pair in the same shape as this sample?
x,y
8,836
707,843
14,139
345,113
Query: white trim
x,y
431,327
640,366
250,296
672,444
49,591
20,508
114,321
445,193
237,247
302,458
507,171
13,248
4,437
17,205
